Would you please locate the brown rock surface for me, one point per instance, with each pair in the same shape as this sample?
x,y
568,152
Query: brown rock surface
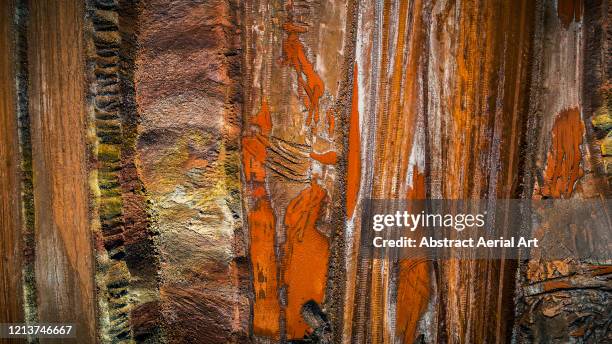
x,y
195,171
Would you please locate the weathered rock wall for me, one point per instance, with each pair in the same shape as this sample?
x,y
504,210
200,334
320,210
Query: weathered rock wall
x,y
195,171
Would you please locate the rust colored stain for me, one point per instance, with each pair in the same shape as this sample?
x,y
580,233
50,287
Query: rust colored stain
x,y
563,161
569,11
413,289
463,102
331,122
312,85
412,296
397,109
307,255
328,158
266,306
306,250
353,177
254,146
598,270
579,332
254,155
555,285
263,119
417,191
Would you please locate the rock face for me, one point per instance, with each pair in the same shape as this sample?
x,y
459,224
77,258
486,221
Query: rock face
x,y
187,97
195,171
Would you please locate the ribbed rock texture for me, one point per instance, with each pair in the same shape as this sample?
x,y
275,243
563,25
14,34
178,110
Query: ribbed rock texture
x,y
195,171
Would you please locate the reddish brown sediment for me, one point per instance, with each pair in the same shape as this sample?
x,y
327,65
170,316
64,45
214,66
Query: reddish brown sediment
x,y
470,114
312,88
305,250
306,256
266,307
414,281
263,120
556,285
262,229
413,293
563,164
11,286
254,155
482,115
64,266
283,84
141,255
353,170
331,122
598,270
343,101
398,107
569,11
188,98
417,189
327,158
254,147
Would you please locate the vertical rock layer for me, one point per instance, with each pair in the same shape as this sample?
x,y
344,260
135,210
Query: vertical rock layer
x,y
64,255
296,60
444,96
11,300
565,300
187,97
